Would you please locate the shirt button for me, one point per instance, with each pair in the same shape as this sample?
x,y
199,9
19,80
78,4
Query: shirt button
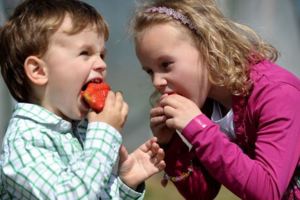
x,y
69,136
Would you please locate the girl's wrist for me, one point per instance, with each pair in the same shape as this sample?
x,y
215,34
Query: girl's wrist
x,y
166,143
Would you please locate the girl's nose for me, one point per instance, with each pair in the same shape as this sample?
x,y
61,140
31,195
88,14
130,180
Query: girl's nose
x,y
159,82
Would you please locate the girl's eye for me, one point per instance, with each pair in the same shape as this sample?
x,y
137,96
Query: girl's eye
x,y
165,64
149,72
84,53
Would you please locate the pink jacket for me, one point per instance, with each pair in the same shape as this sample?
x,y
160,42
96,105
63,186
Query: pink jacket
x,y
261,162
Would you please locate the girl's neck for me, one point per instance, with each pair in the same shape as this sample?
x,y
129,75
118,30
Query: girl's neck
x,y
222,96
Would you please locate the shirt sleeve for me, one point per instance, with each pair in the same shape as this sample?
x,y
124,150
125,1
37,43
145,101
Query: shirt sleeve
x,y
199,184
267,171
116,189
44,169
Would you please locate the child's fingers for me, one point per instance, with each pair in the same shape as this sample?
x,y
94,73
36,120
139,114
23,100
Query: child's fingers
x,y
125,109
150,142
154,121
158,156
119,101
110,98
146,147
155,147
161,165
157,111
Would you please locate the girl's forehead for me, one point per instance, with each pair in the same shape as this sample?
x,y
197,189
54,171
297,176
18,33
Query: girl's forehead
x,y
162,34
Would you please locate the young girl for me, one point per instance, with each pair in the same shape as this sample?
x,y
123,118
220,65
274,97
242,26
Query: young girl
x,y
222,92
50,51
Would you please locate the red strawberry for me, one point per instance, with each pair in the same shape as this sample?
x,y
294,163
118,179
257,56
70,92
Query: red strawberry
x,y
95,95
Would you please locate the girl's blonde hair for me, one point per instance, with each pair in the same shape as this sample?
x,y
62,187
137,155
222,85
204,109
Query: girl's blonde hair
x,y
227,48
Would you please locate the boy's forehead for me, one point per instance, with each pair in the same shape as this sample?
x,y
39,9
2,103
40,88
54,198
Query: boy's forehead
x,y
67,26
88,35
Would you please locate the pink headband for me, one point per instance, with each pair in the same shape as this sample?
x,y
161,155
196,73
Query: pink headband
x,y
172,13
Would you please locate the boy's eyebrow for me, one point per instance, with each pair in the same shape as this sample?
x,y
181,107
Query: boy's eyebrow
x,y
92,47
105,50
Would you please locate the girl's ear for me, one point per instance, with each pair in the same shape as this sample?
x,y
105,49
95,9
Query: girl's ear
x,y
35,70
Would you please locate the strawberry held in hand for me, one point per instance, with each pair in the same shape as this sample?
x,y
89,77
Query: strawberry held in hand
x,y
95,95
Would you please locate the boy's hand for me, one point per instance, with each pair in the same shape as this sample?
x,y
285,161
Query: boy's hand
x,y
114,112
144,162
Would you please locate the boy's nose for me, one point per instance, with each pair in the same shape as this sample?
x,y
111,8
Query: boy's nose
x,y
99,65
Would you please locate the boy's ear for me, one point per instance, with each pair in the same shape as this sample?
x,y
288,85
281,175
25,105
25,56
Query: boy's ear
x,y
35,70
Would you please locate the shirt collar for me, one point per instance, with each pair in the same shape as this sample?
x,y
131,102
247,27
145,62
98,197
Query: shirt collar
x,y
41,116
225,122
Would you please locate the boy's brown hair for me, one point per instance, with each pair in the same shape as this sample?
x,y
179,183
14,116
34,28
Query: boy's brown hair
x,y
27,33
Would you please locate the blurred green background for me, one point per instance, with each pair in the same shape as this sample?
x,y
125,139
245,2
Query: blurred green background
x,y
276,20
154,191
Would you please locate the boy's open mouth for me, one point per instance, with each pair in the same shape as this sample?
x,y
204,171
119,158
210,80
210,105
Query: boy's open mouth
x,y
96,80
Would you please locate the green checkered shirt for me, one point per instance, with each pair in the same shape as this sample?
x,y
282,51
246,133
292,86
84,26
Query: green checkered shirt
x,y
46,157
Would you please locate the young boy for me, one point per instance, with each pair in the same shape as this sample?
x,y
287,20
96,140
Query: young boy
x,y
50,51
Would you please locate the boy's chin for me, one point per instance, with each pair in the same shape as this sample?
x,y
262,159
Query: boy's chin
x,y
76,116
82,115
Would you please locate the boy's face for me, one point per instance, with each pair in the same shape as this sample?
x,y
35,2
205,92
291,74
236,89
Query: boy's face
x,y
71,61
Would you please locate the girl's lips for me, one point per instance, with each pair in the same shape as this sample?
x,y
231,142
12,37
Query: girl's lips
x,y
170,93
167,94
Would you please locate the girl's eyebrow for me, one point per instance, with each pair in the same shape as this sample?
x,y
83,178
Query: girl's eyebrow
x,y
145,68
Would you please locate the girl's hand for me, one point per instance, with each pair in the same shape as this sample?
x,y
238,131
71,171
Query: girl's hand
x,y
144,162
114,112
158,125
179,111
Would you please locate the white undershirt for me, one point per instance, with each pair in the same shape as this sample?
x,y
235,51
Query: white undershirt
x,y
225,123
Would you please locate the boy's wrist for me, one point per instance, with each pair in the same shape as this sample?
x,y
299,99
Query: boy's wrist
x,y
130,182
136,192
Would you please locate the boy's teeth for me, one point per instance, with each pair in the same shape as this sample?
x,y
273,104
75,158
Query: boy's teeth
x,y
96,81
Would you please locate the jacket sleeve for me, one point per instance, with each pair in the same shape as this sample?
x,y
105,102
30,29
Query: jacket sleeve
x,y
199,184
275,152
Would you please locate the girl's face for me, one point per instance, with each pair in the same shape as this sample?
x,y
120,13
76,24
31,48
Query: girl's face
x,y
71,61
173,62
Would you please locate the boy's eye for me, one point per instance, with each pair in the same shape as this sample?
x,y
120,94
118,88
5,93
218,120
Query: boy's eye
x,y
102,55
